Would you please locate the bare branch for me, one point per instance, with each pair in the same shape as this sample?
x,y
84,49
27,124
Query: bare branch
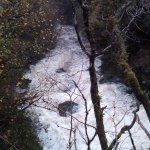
x,y
122,131
132,141
6,141
142,126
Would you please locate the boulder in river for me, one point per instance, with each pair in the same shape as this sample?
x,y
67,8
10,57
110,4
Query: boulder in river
x,y
67,108
60,70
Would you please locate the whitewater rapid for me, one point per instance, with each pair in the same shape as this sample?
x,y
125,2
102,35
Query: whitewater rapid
x,y
52,88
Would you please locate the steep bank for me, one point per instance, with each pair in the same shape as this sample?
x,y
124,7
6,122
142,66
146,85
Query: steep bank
x,y
140,62
26,34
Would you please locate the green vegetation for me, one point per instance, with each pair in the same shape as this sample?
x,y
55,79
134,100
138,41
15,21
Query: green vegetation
x,y
105,17
20,133
113,23
26,34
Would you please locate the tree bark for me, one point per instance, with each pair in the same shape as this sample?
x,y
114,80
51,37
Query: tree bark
x,y
93,78
118,45
96,104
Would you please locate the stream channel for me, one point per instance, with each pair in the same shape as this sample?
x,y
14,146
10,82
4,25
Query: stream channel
x,y
60,106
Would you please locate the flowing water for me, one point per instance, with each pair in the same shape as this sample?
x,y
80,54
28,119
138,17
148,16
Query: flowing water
x,y
52,80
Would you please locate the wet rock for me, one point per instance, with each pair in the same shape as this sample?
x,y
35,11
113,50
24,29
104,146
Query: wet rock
x,y
60,70
22,86
133,106
67,108
102,81
129,91
24,83
109,78
20,90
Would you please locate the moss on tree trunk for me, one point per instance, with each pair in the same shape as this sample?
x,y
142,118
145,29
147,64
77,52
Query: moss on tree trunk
x,y
118,45
97,108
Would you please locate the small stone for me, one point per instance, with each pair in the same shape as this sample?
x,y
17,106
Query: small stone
x,y
60,70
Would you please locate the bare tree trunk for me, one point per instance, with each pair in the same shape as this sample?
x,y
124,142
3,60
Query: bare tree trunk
x,y
93,78
97,108
118,45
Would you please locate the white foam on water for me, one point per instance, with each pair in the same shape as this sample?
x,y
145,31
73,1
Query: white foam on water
x,y
54,88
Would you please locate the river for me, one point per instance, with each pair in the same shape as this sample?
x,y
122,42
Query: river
x,y
53,77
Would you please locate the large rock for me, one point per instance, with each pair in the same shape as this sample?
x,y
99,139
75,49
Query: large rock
x,y
67,108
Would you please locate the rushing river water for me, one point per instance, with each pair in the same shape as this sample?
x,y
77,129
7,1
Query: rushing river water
x,y
53,79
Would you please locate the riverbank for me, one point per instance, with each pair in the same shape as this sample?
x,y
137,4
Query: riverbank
x,y
27,34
